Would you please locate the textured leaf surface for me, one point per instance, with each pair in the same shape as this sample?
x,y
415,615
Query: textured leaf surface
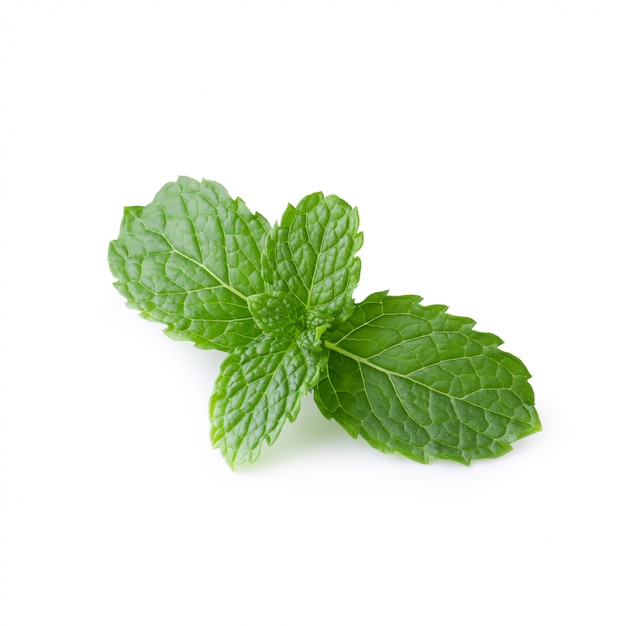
x,y
311,254
258,389
190,259
416,380
278,314
283,315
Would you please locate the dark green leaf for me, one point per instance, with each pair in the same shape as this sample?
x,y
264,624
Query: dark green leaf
x,y
416,380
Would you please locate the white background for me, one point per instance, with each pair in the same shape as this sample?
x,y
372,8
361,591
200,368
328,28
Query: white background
x,y
485,145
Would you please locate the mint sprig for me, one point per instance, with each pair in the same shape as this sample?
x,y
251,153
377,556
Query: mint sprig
x,y
407,378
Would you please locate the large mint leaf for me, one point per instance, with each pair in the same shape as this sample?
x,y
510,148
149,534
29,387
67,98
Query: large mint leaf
x,y
190,259
311,254
413,379
257,390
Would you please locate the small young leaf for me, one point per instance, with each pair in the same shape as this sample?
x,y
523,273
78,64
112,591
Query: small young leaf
x,y
257,390
416,380
278,314
190,259
311,254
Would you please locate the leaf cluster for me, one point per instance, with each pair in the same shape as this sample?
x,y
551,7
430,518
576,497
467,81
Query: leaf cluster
x,y
279,300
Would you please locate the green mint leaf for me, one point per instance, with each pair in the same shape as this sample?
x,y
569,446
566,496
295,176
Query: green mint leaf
x,y
413,379
190,259
311,254
258,389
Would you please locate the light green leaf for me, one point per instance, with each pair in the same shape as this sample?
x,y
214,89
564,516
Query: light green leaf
x,y
190,259
257,390
416,380
311,254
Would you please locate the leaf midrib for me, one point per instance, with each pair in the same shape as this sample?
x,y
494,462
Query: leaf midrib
x,y
358,359
192,260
